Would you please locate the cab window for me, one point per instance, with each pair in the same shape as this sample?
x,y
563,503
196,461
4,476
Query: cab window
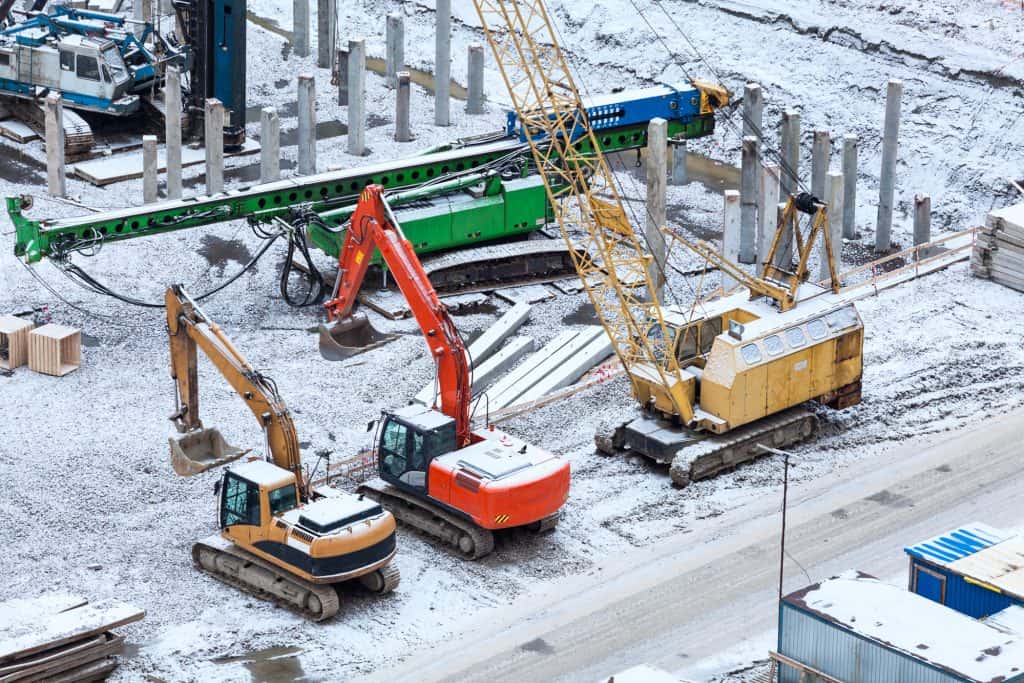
x,y
240,503
392,446
773,345
817,329
708,331
795,336
751,354
67,60
88,68
687,346
283,499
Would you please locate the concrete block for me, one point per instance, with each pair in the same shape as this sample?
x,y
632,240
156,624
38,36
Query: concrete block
x,y
506,389
14,341
54,349
571,370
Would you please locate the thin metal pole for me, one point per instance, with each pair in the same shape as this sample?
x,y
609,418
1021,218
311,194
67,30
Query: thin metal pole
x,y
782,545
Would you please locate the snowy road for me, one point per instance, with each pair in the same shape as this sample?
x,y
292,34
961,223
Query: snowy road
x,y
697,612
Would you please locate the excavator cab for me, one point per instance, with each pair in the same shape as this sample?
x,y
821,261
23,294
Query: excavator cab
x,y
410,438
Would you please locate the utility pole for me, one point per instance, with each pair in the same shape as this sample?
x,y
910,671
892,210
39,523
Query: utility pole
x,y
785,495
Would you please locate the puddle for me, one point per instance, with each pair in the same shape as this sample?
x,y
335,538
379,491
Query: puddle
x,y
218,251
90,341
325,130
271,665
583,315
18,167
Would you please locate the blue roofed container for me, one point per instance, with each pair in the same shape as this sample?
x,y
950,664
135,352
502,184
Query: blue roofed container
x,y
976,569
857,629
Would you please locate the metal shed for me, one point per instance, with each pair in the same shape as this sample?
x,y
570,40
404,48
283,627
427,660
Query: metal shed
x,y
976,569
857,629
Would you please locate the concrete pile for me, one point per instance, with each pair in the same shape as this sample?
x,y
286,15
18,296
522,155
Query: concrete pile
x,y
999,249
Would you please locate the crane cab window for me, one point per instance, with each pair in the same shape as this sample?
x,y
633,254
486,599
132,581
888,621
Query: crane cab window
x,y
686,347
403,453
751,354
240,502
283,499
773,345
5,59
817,329
88,68
795,337
67,60
709,329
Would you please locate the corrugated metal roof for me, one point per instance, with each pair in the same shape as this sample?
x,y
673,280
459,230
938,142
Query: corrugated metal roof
x,y
957,544
914,627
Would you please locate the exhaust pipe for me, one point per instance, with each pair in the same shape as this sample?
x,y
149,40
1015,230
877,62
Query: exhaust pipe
x,y
350,336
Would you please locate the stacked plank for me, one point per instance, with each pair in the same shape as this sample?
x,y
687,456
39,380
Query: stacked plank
x,y
60,637
999,250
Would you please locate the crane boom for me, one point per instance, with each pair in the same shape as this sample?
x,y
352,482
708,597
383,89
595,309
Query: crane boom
x,y
374,227
188,329
584,197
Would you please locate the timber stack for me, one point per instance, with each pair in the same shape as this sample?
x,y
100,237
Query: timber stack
x,y
60,637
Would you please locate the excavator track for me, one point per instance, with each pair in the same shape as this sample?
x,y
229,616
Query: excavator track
x,y
381,581
714,455
226,562
78,138
470,540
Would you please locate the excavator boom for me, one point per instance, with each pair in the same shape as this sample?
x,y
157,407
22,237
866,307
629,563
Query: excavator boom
x,y
374,227
199,448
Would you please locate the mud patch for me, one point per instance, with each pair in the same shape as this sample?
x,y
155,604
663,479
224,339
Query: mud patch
x,y
218,252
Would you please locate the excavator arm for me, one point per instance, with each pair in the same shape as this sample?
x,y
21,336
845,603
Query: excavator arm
x,y
189,329
374,227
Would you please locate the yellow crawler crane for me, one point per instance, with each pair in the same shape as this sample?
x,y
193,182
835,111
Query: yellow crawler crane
x,y
670,355
279,538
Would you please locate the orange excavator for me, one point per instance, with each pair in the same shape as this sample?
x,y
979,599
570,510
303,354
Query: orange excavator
x,y
435,472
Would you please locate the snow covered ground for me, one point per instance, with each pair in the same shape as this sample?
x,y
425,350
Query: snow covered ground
x,y
85,457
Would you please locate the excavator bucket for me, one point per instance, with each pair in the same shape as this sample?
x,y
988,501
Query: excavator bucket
x,y
200,450
349,336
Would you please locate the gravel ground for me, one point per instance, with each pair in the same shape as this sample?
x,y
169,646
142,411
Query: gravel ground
x,y
87,453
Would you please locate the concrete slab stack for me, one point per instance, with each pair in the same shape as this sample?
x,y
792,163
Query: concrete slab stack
x,y
999,249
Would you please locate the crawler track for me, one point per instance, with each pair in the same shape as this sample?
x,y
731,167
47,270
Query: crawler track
x,y
228,563
470,540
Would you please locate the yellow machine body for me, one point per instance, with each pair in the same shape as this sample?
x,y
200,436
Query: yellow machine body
x,y
743,360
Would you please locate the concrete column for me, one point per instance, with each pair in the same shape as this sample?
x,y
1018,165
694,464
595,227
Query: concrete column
x,y
769,215
748,200
341,72
922,219
784,256
56,182
753,110
677,163
730,234
307,124
790,173
850,187
395,53
356,97
300,28
821,157
149,169
270,145
657,176
834,200
475,79
326,32
172,130
214,141
443,64
887,181
790,150
402,132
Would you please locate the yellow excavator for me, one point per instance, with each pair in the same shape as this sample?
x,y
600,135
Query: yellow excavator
x,y
718,380
280,538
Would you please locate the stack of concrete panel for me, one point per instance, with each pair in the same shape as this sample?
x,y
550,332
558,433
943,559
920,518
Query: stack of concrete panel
x,y
558,364
999,249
